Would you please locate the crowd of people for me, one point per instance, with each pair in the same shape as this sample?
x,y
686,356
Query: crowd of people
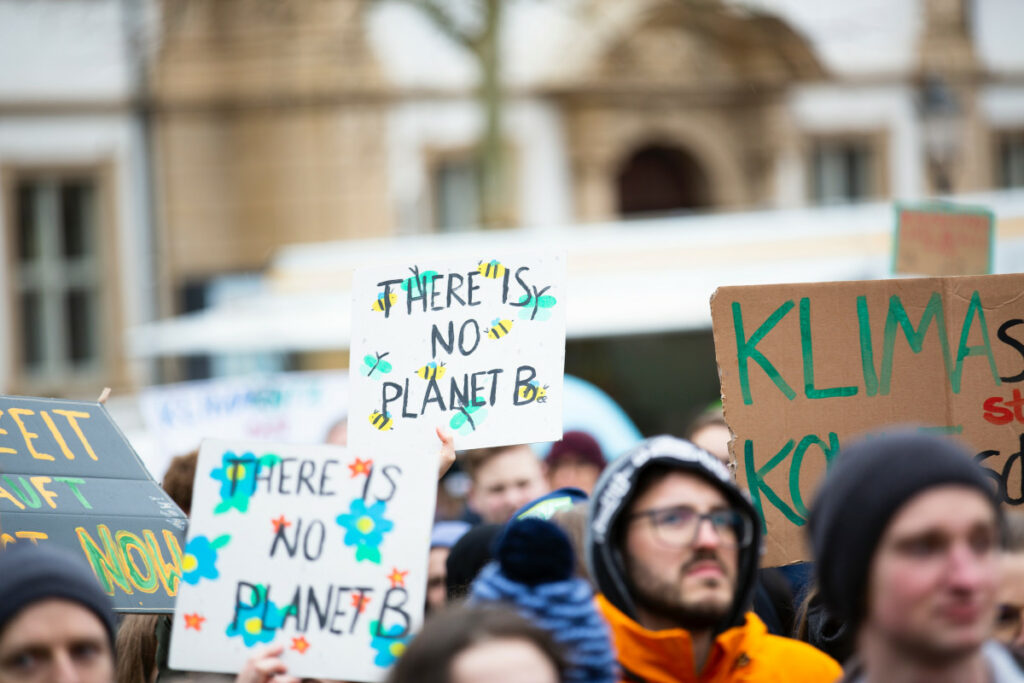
x,y
644,569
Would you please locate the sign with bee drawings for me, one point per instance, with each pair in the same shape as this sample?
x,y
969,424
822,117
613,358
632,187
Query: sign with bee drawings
x,y
477,348
308,547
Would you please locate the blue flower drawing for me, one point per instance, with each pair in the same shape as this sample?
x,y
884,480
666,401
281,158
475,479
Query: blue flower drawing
x,y
200,558
365,528
258,622
237,477
389,644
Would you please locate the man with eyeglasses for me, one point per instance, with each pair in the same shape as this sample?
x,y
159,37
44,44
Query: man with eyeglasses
x,y
673,546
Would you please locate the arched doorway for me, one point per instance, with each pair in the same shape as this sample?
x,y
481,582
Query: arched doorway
x,y
660,178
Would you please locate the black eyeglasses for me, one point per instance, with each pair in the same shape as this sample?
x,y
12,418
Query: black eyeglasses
x,y
678,526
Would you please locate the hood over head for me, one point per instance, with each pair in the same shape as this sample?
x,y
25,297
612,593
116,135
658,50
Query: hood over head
x,y
614,493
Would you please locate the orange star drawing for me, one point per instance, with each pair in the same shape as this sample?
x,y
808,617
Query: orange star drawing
x,y
397,578
300,645
280,523
360,467
194,621
360,601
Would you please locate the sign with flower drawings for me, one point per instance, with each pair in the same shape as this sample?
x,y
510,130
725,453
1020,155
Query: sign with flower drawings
x,y
476,347
309,547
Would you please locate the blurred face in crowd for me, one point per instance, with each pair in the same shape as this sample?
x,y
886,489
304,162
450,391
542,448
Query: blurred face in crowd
x,y
506,482
503,660
1010,615
436,572
682,569
933,579
714,438
55,641
338,434
574,472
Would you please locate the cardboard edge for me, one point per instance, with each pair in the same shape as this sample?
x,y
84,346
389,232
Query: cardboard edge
x,y
721,388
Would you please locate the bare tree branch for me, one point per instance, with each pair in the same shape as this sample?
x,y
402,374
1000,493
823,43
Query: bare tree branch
x,y
444,21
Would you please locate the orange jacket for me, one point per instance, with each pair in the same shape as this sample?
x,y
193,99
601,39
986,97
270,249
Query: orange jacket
x,y
740,654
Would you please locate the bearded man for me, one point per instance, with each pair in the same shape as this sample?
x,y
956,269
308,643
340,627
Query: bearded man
x,y
673,546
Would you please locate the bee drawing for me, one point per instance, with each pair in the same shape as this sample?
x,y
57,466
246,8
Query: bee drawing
x,y
380,305
468,418
375,366
534,392
492,269
381,421
432,371
536,307
499,328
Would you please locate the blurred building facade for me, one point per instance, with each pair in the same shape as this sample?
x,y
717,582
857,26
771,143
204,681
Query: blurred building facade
x,y
75,198
154,154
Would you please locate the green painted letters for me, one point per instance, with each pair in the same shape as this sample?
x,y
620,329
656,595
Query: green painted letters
x,y
747,349
808,354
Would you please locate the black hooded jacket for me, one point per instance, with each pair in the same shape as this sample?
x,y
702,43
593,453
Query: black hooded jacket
x,y
613,494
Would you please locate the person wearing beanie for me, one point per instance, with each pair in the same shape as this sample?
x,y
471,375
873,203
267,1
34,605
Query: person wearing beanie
x,y
534,572
56,624
467,557
576,461
673,547
906,535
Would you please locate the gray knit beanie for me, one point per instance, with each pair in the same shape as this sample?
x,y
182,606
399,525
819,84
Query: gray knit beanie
x,y
30,574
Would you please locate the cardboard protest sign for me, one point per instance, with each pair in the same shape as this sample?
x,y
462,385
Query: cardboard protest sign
x,y
943,239
294,407
806,368
68,476
475,347
309,547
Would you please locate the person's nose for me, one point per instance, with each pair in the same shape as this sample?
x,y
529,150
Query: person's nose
x,y
707,536
969,569
64,669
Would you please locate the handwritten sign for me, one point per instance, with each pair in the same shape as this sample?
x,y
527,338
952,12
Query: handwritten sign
x,y
68,476
943,239
475,347
294,407
806,368
309,547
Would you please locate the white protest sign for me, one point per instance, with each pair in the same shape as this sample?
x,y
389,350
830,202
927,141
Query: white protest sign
x,y
295,407
308,547
476,347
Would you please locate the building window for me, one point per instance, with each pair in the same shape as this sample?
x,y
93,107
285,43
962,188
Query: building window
x,y
842,171
1011,159
57,278
456,194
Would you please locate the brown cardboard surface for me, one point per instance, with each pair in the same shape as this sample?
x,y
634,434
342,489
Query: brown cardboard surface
x,y
806,368
944,240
